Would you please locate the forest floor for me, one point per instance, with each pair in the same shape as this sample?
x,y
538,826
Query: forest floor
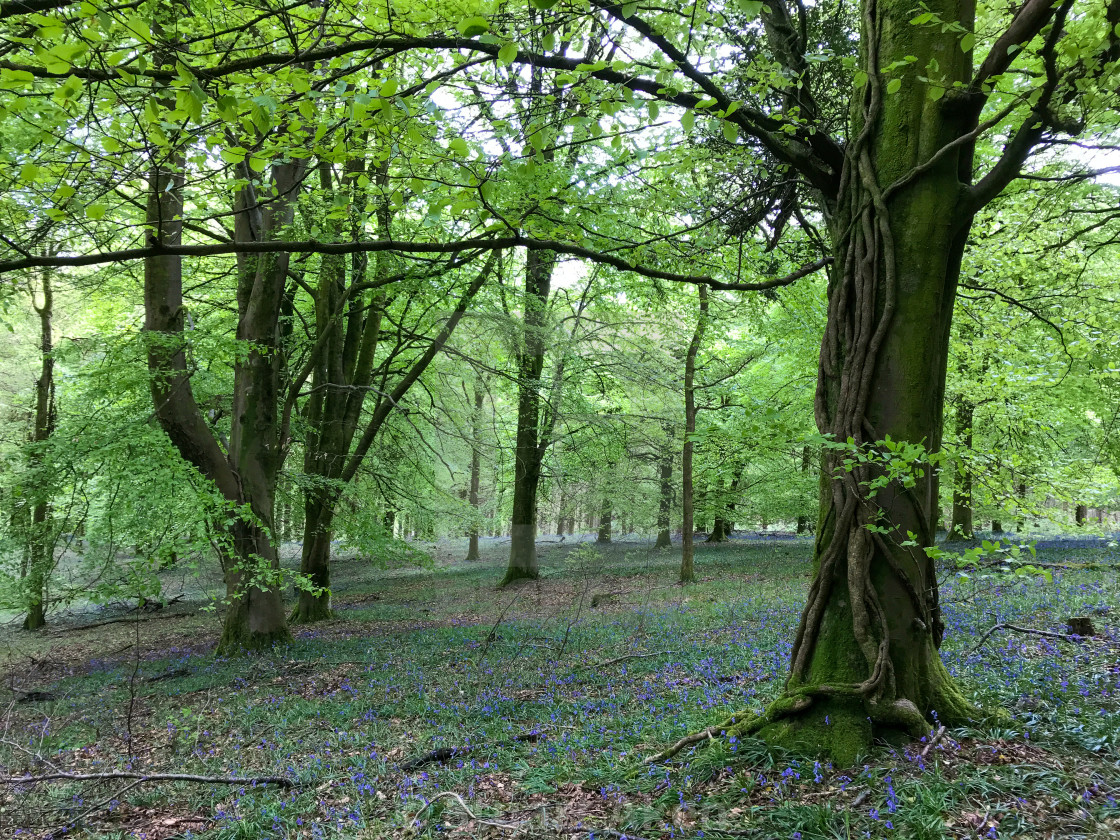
x,y
436,705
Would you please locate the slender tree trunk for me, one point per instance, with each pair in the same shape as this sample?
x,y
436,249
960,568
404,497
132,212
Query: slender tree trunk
x,y
529,454
1080,515
606,517
806,462
476,471
961,526
1021,492
997,526
688,549
40,555
665,506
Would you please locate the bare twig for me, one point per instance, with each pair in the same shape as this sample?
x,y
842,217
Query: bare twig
x,y
616,660
61,776
1050,634
937,736
452,795
447,753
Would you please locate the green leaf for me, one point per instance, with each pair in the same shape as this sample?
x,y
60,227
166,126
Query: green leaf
x,y
459,146
96,211
507,54
543,5
234,155
894,85
389,88
653,109
968,41
750,8
730,131
257,163
28,172
472,27
936,92
688,119
548,43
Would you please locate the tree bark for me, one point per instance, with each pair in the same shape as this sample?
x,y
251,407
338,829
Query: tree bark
x,y
688,548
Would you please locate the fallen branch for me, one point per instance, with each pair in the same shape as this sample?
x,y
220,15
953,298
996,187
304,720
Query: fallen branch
x,y
126,620
629,656
168,675
438,756
452,795
147,777
1050,634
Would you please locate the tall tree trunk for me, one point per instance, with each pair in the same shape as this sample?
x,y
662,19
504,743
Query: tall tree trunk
x,y
606,516
529,453
865,656
1080,515
40,555
476,472
961,526
688,548
665,505
246,474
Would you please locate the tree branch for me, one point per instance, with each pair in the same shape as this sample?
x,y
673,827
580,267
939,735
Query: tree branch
x,y
313,246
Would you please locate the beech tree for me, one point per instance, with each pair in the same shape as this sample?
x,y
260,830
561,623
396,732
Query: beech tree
x,y
886,182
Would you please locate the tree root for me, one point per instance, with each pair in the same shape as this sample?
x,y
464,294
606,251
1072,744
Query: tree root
x,y
738,725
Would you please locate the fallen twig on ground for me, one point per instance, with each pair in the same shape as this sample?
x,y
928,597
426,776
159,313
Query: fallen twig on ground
x,y
148,777
447,794
618,659
447,753
937,736
125,620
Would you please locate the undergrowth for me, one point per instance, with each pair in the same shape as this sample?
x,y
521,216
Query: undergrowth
x,y
551,703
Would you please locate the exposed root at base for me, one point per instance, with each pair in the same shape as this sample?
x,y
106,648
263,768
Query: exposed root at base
x,y
844,741
739,724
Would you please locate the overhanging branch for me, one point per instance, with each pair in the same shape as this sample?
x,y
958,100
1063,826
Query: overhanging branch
x,y
313,246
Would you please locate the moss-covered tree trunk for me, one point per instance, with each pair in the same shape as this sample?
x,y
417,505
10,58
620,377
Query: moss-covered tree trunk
x,y
245,472
865,657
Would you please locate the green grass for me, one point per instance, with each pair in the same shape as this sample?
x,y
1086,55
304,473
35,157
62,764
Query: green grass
x,y
423,659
